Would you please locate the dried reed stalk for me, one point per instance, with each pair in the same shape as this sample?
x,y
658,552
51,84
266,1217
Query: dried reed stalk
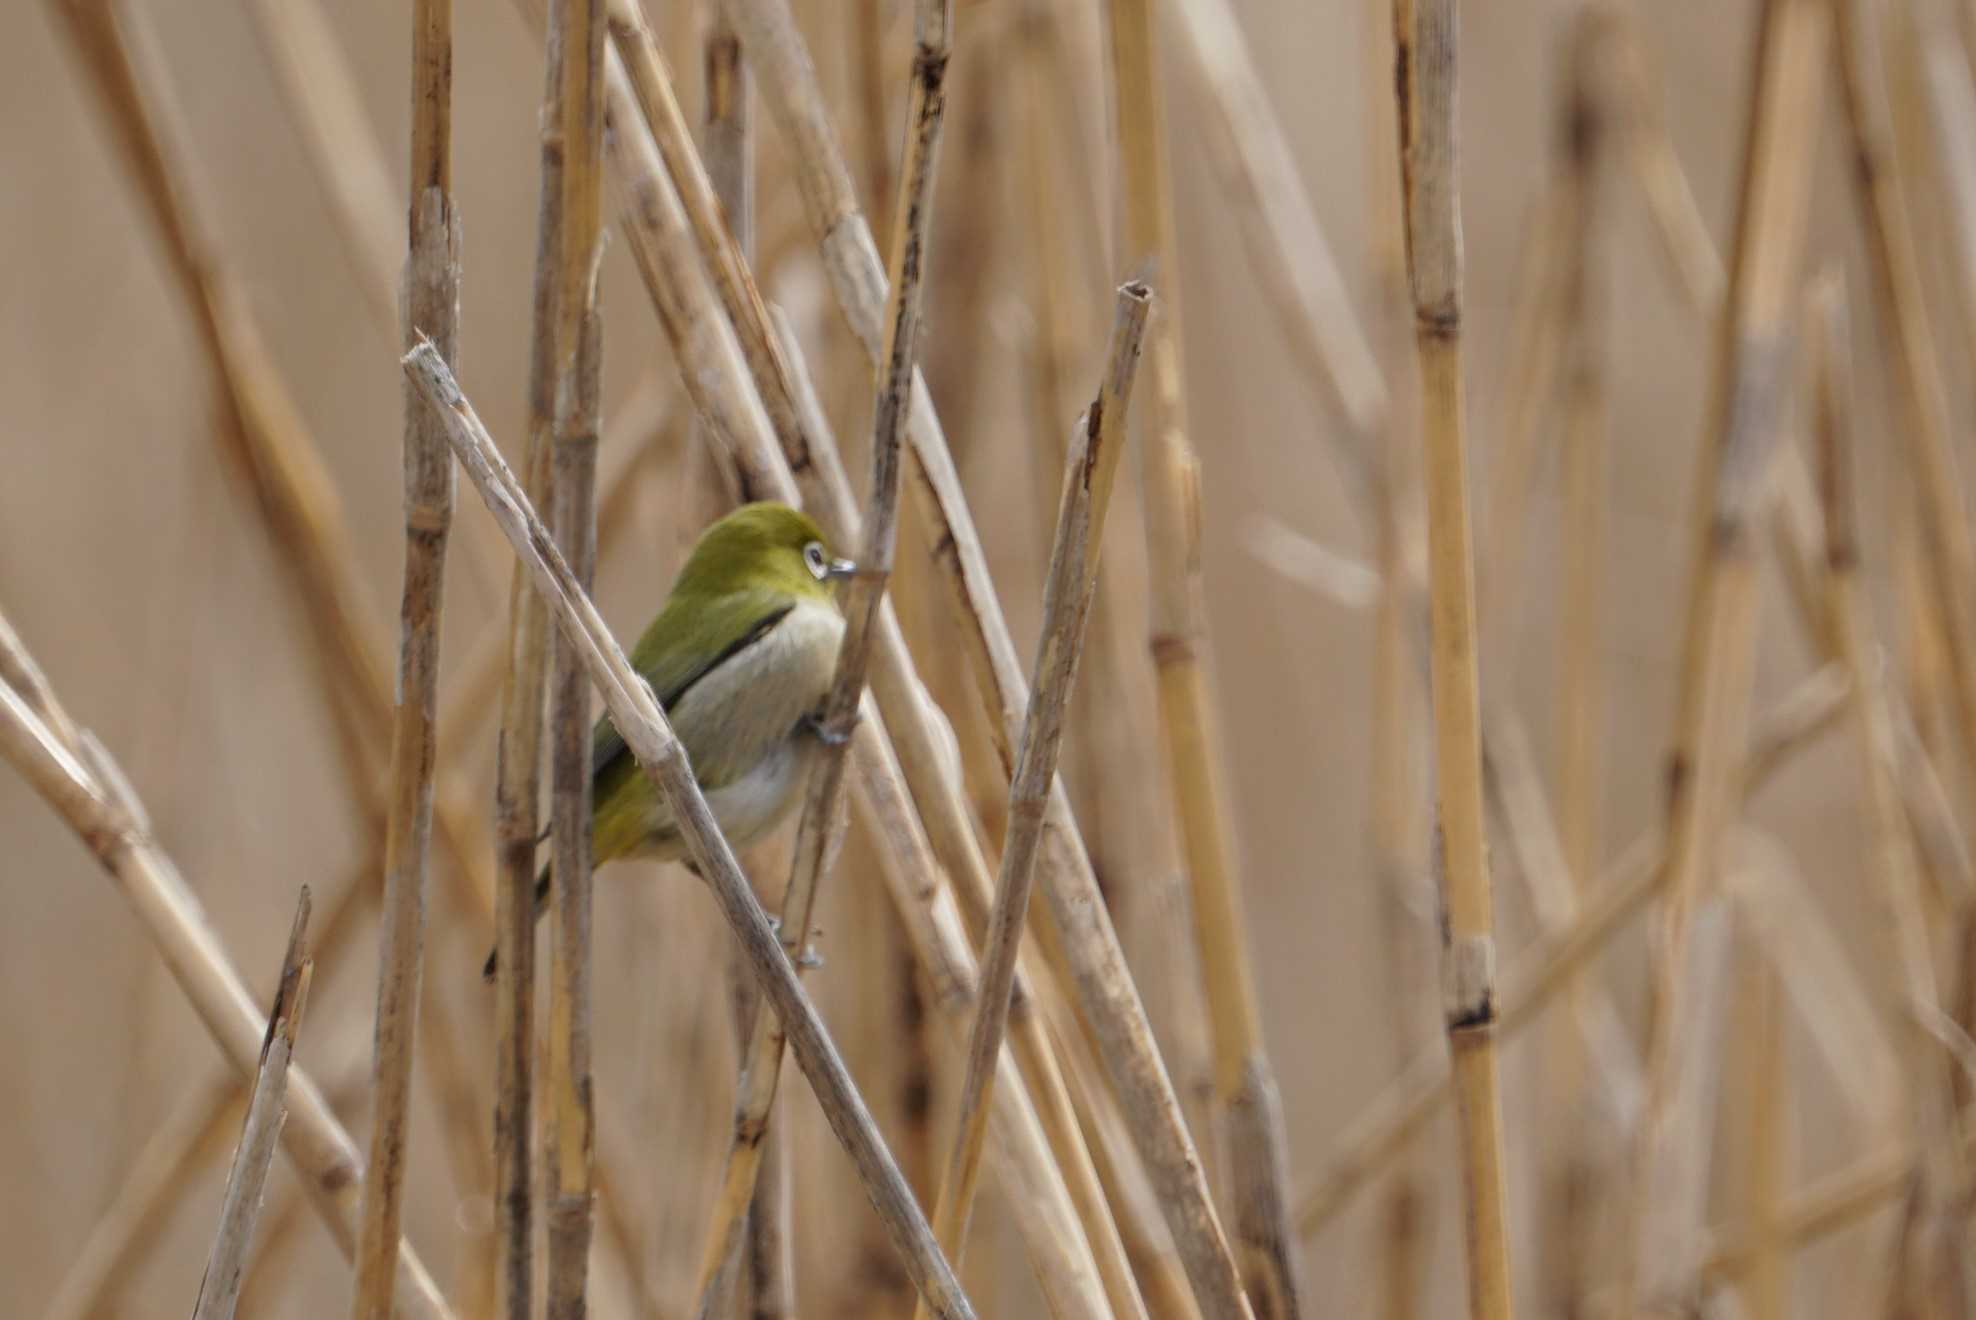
x,y
1104,989
1068,590
635,712
519,754
672,276
1581,138
240,1204
1246,1106
1549,964
432,311
1424,37
1720,635
80,781
822,806
570,1119
1718,653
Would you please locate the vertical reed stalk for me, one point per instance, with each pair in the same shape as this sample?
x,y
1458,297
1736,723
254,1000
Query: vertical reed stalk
x,y
1246,1105
432,311
571,1122
1581,138
519,756
1710,737
1069,587
1424,36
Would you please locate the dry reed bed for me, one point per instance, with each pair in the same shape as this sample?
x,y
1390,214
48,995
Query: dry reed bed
x,y
1115,1181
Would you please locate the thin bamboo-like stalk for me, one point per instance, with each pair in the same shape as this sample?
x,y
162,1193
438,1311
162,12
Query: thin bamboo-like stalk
x,y
811,457
267,1112
822,806
1068,590
1103,985
1424,36
1718,648
1581,139
1548,965
570,1120
519,756
636,714
1246,1107
84,786
432,312
656,227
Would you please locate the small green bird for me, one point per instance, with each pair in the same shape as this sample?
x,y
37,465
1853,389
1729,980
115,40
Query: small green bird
x,y
740,659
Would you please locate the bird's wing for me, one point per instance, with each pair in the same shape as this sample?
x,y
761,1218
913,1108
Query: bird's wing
x,y
742,617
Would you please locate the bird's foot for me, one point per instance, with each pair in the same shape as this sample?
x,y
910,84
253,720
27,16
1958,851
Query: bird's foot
x,y
826,735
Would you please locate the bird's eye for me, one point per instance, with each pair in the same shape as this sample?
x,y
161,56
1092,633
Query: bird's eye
x,y
819,564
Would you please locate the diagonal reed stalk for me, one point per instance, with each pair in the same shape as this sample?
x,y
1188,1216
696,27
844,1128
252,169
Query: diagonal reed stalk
x,y
1719,640
1424,37
267,1112
636,714
432,312
1089,946
822,801
1068,590
71,770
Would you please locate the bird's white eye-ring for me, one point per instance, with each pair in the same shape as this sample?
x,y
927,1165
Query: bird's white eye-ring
x,y
818,562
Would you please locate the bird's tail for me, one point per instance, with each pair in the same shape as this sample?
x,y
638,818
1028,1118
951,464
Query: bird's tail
x,y
541,906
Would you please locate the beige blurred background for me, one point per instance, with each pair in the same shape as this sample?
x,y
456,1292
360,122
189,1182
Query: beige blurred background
x,y
136,570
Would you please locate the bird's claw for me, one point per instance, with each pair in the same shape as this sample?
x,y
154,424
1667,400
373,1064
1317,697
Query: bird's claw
x,y
809,959
826,735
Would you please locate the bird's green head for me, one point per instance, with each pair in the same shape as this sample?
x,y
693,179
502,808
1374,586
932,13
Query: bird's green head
x,y
762,546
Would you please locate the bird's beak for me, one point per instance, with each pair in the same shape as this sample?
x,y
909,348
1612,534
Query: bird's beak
x,y
841,568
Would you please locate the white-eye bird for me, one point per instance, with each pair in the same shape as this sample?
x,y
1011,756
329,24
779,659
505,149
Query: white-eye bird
x,y
740,659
